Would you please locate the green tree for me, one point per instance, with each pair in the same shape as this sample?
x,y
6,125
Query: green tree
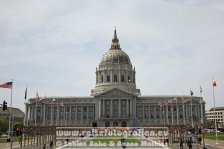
x,y
209,123
3,125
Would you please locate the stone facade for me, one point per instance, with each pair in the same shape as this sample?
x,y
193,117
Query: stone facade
x,y
115,101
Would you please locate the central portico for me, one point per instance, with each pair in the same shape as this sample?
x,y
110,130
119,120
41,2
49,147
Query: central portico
x,y
115,90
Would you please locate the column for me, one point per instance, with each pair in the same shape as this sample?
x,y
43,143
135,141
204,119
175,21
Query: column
x,y
103,114
160,115
81,113
178,115
155,118
64,115
70,114
119,76
44,117
111,76
99,108
143,113
167,118
131,113
57,115
111,108
127,108
31,113
119,108
76,115
51,115
87,112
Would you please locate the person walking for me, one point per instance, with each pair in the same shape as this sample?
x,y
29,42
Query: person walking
x,y
189,143
51,144
181,144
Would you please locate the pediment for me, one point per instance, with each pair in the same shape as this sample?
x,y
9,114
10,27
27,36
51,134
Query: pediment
x,y
193,102
115,92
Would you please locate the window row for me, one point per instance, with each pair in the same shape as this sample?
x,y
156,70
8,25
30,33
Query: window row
x,y
115,79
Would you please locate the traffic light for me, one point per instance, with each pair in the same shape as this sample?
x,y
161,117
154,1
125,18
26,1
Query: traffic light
x,y
4,105
19,131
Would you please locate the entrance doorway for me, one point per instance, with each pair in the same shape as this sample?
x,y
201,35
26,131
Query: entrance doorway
x,y
123,124
107,124
115,124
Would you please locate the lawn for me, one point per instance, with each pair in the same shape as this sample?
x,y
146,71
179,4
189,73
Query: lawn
x,y
4,139
114,139
212,136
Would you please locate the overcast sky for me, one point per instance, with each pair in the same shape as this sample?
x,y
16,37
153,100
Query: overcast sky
x,y
55,46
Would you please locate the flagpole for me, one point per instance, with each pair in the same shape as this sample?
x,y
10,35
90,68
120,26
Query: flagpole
x,y
24,119
164,119
202,118
57,114
216,134
44,113
177,110
172,110
192,123
10,121
183,108
51,114
167,118
36,109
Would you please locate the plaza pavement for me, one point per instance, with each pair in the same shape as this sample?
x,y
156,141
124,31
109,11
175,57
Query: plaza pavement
x,y
210,144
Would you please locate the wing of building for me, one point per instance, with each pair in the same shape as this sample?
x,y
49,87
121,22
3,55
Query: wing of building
x,y
216,114
115,101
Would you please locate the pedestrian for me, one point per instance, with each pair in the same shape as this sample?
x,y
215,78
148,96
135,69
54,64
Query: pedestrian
x,y
167,141
51,144
181,144
20,141
189,143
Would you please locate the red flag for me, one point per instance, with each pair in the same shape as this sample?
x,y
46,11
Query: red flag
x,y
214,83
6,85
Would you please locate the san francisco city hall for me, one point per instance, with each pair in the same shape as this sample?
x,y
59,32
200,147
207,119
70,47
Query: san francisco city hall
x,y
115,101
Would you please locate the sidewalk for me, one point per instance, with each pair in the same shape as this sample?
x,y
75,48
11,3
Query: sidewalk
x,y
16,145
213,143
207,142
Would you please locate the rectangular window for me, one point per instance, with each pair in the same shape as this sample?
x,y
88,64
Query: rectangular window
x,y
115,78
101,79
108,78
122,78
129,79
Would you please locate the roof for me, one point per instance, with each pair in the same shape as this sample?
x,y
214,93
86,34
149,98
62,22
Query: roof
x,y
217,109
15,112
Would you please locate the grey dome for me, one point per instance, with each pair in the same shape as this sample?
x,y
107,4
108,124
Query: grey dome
x,y
115,54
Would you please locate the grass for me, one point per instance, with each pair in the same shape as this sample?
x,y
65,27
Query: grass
x,y
114,139
4,139
212,136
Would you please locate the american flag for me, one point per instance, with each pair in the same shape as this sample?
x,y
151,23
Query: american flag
x,y
6,85
170,101
214,83
160,104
